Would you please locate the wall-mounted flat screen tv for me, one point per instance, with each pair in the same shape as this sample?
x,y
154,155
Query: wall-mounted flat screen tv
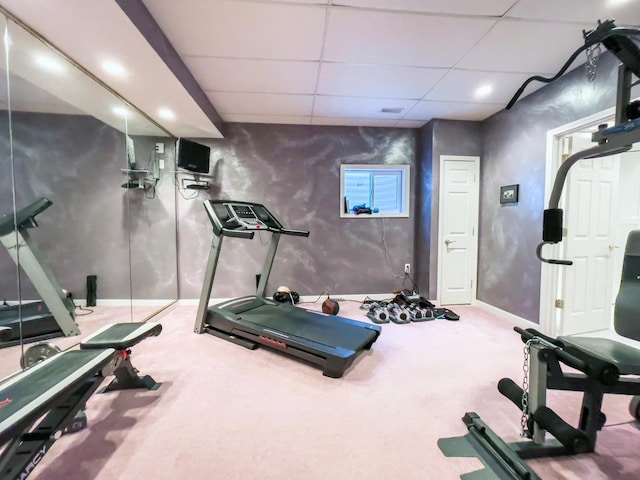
x,y
192,156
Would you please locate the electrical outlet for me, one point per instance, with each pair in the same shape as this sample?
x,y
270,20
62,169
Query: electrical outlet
x,y
407,268
159,147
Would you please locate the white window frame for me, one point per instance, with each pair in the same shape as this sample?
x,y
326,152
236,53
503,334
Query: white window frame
x,y
405,189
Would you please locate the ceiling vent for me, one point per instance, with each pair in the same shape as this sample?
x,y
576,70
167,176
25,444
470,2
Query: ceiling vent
x,y
392,110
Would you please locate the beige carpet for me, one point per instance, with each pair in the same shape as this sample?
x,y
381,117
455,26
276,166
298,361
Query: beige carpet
x,y
225,412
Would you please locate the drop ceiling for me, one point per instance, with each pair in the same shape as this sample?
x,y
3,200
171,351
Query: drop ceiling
x,y
394,63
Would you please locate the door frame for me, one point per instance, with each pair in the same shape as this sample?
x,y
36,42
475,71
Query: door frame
x,y
443,159
551,275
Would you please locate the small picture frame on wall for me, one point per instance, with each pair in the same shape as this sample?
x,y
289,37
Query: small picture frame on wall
x,y
509,194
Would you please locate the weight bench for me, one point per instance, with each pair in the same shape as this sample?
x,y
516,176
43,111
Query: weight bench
x,y
604,366
38,404
123,336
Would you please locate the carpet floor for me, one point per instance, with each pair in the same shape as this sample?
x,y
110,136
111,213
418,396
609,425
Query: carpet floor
x,y
226,412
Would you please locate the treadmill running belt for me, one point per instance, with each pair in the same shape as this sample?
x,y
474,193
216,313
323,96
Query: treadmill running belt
x,y
324,329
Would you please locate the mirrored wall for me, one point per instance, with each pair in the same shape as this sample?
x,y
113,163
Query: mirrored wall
x,y
88,181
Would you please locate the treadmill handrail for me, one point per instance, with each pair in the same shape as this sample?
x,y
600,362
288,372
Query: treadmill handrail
x,y
24,218
227,232
295,233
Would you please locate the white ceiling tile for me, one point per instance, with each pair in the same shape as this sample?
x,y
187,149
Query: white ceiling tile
x,y
377,80
589,11
493,8
263,60
461,86
353,122
304,2
272,119
91,32
226,28
426,110
327,106
390,38
525,46
261,103
257,76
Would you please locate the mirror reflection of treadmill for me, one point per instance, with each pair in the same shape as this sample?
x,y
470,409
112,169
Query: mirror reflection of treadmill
x,y
54,316
332,342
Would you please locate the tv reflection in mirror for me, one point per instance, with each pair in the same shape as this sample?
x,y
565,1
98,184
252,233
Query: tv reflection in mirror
x,y
193,157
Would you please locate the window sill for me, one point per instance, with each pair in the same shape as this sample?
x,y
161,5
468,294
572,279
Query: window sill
x,y
374,215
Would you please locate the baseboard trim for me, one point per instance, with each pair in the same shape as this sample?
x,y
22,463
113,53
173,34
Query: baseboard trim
x,y
360,297
516,320
125,302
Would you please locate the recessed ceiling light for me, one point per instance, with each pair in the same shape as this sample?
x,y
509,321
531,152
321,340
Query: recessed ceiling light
x,y
50,63
166,114
120,111
483,91
114,68
391,110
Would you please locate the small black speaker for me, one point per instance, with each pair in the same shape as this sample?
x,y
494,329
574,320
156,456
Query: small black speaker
x,y
92,290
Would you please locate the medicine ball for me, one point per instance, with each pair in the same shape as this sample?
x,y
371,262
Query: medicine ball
x,y
330,307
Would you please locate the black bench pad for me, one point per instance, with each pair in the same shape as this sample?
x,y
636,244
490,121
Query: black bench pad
x,y
26,396
120,335
625,358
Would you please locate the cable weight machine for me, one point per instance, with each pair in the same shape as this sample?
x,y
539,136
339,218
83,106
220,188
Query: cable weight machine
x,y
603,365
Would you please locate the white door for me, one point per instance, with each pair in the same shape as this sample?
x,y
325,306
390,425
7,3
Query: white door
x,y
589,219
458,248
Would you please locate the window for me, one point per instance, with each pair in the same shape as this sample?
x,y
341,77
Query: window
x,y
384,189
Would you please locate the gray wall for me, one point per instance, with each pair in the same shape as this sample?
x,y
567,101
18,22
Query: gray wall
x,y
75,161
447,137
515,153
423,216
294,171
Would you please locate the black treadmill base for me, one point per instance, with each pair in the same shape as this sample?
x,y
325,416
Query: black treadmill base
x,y
38,324
243,342
38,338
328,341
331,367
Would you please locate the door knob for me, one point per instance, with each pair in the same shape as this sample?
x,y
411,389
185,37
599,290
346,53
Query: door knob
x,y
447,242
611,247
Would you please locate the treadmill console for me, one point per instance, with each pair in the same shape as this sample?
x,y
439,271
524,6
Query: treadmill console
x,y
240,216
244,216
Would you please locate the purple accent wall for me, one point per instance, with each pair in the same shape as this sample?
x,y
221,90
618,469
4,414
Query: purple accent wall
x,y
423,217
448,137
294,170
94,226
514,152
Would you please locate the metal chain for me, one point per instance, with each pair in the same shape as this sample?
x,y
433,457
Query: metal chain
x,y
525,388
592,59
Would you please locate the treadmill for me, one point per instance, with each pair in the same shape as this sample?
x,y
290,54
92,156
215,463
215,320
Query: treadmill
x,y
54,316
329,341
